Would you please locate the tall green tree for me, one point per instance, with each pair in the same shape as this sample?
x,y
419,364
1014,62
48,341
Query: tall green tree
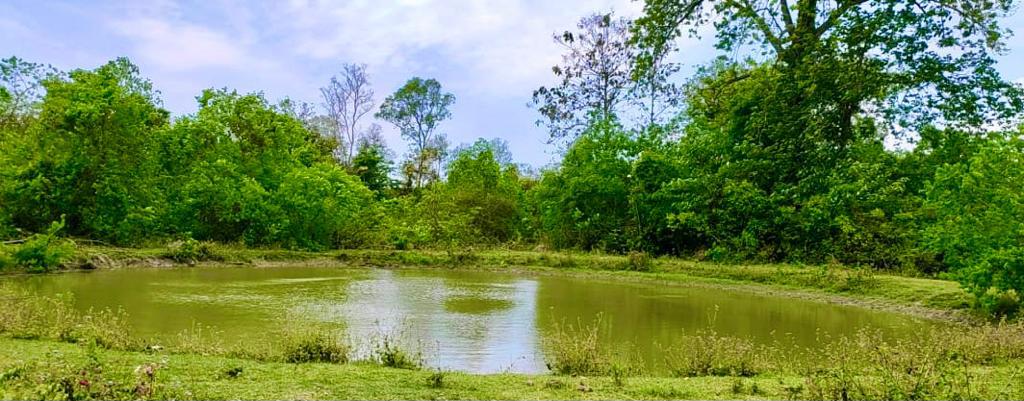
x,y
920,60
416,109
977,225
92,156
373,167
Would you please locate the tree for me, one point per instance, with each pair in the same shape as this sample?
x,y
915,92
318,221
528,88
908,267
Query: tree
x,y
347,101
919,61
373,166
487,188
585,203
21,88
978,225
92,156
416,109
595,76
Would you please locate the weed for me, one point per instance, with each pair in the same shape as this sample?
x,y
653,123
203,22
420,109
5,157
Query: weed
x,y
577,349
709,354
388,352
314,346
639,261
554,384
190,251
436,379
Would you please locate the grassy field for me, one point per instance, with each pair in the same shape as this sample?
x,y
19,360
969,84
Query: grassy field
x,y
49,352
27,366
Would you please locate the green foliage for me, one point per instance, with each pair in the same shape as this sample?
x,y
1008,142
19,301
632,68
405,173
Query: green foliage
x,y
581,349
373,168
315,346
585,203
416,109
44,252
977,221
190,251
387,351
91,156
708,354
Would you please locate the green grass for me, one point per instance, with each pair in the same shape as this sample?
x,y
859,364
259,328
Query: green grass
x,y
27,366
209,377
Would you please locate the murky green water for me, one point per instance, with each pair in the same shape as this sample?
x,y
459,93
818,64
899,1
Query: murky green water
x,y
464,320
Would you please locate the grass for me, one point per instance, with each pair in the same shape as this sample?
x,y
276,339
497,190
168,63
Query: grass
x,y
33,364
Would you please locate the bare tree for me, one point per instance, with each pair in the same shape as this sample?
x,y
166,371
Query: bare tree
x,y
595,76
348,99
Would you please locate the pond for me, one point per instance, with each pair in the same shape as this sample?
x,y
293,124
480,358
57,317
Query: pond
x,y
473,321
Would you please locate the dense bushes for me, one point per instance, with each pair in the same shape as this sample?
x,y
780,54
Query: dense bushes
x,y
976,210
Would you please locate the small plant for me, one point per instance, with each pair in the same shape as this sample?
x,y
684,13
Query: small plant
x,y
578,350
709,354
436,379
389,353
554,384
190,251
639,261
619,372
315,346
737,386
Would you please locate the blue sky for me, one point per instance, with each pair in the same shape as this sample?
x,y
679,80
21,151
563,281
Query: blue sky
x,y
490,53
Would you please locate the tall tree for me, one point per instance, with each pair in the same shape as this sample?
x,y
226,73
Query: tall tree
x,y
348,99
595,76
921,61
416,109
21,87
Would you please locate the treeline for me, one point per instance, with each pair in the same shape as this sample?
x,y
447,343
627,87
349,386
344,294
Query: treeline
x,y
784,159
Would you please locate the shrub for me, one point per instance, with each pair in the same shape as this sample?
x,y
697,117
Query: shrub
x,y
436,379
190,251
315,346
709,354
388,352
45,251
977,207
578,349
638,261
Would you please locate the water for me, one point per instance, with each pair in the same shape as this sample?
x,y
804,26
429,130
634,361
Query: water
x,y
462,320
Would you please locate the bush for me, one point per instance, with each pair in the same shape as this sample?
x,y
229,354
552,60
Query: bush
x,y
578,349
44,252
639,261
315,346
388,352
978,225
709,354
190,251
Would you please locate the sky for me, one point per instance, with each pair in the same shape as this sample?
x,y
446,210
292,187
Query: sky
x,y
491,54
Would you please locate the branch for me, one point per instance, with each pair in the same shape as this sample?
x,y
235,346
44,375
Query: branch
x,y
787,16
835,15
748,10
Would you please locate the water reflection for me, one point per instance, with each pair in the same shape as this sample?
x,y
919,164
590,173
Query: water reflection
x,y
464,320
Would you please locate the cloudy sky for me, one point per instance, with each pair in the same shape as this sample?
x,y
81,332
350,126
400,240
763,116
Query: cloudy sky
x,y
490,53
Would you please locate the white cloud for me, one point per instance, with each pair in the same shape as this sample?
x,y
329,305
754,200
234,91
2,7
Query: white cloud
x,y
502,46
181,46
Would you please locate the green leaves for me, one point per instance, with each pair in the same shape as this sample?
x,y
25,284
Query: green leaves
x,y
978,218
